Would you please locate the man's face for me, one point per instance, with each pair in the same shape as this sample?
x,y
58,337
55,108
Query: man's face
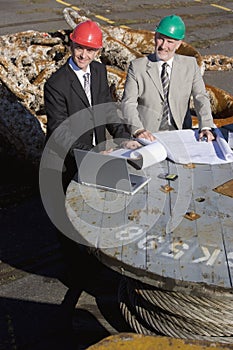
x,y
165,47
83,55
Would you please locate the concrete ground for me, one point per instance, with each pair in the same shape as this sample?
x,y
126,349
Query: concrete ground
x,y
36,307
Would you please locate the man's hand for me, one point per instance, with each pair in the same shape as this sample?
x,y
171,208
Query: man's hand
x,y
145,134
209,135
107,151
131,144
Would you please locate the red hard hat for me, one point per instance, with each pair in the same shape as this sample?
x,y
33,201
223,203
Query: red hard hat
x,y
88,34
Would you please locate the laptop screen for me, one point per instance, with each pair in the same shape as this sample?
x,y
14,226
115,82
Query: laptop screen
x,y
107,172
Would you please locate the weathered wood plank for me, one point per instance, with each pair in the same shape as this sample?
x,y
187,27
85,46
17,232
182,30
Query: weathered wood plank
x,y
225,208
210,240
84,207
183,230
158,239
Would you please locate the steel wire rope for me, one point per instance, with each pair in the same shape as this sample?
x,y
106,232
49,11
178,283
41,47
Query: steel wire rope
x,y
174,302
127,312
178,323
157,320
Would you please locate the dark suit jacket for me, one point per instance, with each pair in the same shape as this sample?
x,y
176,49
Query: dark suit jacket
x,y
69,113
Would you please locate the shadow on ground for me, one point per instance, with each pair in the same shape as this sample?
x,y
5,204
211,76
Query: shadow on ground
x,y
37,310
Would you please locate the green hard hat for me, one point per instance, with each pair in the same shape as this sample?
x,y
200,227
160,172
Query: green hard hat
x,y
172,26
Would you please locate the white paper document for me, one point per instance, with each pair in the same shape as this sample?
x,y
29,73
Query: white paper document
x,y
150,154
183,147
180,146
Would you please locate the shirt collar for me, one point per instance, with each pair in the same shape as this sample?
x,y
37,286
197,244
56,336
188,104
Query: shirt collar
x,y
76,69
169,62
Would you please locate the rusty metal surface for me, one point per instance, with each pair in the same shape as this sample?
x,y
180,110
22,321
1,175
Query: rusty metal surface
x,y
225,188
142,342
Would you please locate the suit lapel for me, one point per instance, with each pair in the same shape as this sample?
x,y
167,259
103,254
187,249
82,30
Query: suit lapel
x,y
176,75
153,72
94,89
77,87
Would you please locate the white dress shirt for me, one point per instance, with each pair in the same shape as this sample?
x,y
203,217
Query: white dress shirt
x,y
80,73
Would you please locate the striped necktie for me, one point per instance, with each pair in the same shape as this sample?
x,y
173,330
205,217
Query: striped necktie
x,y
87,87
166,111
87,90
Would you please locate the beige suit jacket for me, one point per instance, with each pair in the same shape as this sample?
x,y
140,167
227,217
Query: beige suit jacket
x,y
142,101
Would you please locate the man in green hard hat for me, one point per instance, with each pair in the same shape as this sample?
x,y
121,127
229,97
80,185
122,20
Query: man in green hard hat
x,y
158,87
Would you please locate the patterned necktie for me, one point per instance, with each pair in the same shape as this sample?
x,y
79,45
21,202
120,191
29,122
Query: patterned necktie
x,y
165,83
87,87
87,90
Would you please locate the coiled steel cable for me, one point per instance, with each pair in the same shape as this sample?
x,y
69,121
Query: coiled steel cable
x,y
150,310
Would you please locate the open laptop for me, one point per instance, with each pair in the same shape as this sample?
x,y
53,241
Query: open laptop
x,y
107,172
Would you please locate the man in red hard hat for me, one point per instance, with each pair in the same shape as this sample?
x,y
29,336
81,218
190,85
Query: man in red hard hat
x,y
67,98
65,95
86,40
